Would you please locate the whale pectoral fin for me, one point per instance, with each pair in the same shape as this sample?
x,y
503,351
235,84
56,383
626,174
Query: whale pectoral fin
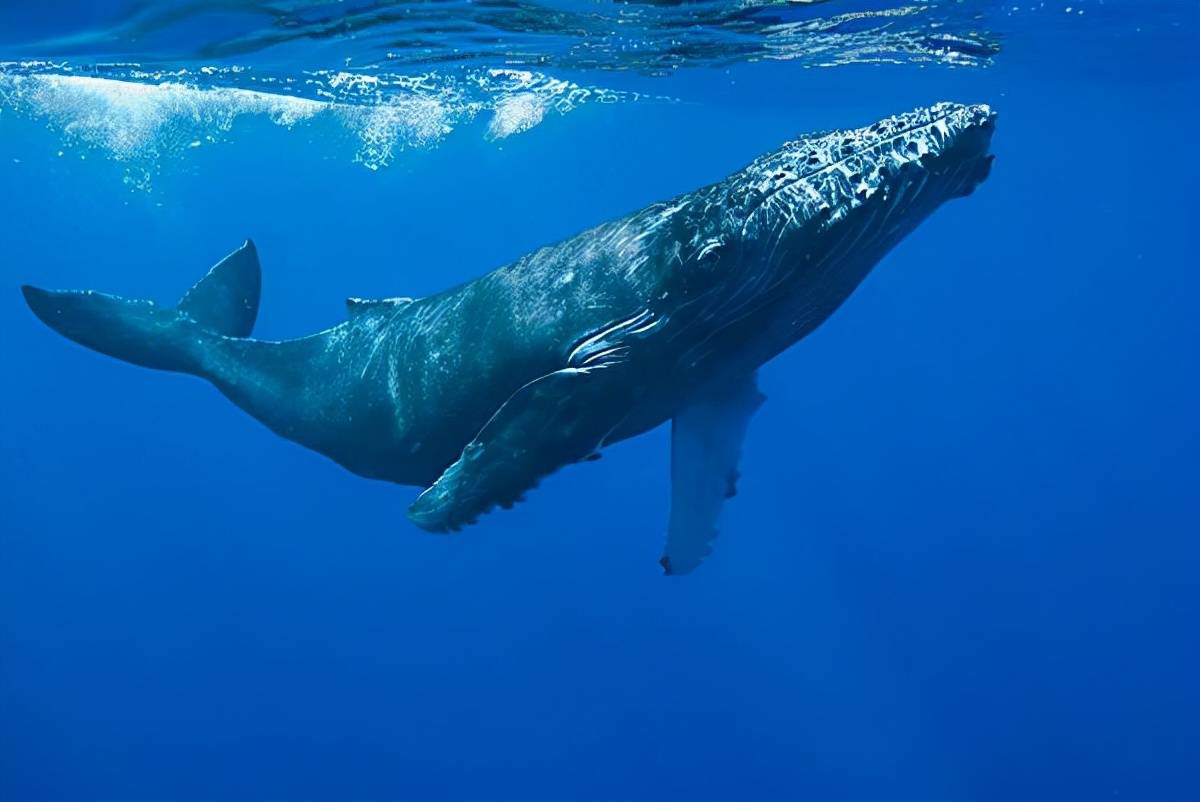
x,y
706,445
548,423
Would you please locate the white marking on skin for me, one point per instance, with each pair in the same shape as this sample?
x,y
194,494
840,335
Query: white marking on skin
x,y
595,338
648,326
606,352
709,247
375,346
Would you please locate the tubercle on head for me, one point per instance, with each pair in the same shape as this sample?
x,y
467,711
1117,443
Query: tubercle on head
x,y
822,177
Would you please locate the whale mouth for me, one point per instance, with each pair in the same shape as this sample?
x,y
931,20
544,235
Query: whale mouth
x,y
965,148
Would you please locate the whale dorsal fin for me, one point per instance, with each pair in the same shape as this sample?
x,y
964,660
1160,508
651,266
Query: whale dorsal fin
x,y
226,299
706,445
357,306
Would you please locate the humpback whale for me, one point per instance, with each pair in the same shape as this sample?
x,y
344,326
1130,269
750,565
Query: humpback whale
x,y
478,392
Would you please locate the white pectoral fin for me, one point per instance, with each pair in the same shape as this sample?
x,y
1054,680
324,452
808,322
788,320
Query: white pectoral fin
x,y
706,445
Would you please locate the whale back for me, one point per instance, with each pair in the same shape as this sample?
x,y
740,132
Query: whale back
x,y
356,307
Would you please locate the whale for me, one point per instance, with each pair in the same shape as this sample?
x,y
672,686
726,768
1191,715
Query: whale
x,y
477,393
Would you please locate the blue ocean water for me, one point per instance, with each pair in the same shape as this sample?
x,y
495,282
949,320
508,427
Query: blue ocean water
x,y
962,562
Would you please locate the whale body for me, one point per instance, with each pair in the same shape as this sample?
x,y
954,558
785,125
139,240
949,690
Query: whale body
x,y
478,392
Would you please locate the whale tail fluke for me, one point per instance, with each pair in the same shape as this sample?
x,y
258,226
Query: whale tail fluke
x,y
224,303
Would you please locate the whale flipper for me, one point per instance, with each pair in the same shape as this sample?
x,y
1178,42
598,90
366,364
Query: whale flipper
x,y
224,303
706,445
545,425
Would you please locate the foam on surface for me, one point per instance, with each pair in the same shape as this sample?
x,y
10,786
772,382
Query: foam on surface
x,y
142,117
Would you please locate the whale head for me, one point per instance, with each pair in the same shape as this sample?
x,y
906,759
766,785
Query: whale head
x,y
836,199
823,177
857,191
775,248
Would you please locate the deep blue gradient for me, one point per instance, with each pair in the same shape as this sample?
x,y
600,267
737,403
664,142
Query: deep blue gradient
x,y
962,564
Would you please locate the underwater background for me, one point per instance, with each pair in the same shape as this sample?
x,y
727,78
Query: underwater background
x,y
962,564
